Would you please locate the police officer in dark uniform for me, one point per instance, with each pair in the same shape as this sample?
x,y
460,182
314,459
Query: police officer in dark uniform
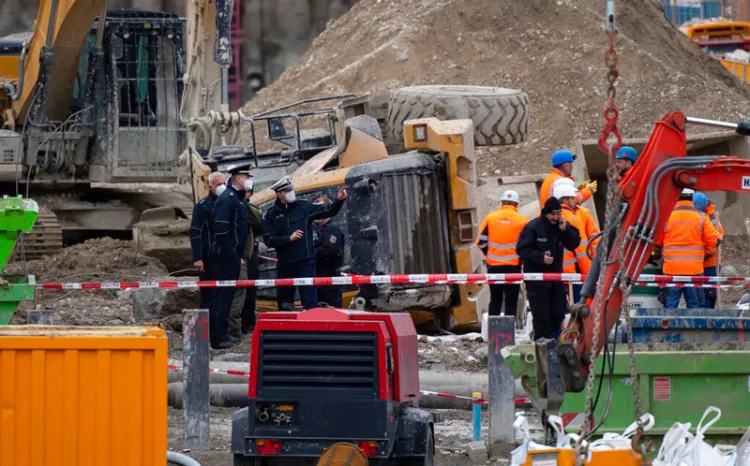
x,y
329,255
540,246
202,234
231,229
287,227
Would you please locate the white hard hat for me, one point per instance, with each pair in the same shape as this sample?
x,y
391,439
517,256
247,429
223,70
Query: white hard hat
x,y
511,196
564,191
564,181
688,191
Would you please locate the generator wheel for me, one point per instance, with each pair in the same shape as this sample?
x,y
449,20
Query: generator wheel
x,y
500,116
427,460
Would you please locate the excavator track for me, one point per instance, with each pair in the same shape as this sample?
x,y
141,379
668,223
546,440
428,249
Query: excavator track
x,y
45,238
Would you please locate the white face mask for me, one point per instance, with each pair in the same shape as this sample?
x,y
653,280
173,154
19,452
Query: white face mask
x,y
220,189
248,184
291,196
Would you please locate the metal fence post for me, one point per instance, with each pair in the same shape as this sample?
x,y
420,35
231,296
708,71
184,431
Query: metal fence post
x,y
502,386
40,318
195,360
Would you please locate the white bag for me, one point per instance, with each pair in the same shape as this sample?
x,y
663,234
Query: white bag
x,y
613,441
681,448
521,427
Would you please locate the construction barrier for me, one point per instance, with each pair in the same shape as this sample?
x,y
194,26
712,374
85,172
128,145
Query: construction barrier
x,y
643,280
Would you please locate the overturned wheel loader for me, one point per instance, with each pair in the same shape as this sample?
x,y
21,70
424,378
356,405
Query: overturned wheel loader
x,y
411,211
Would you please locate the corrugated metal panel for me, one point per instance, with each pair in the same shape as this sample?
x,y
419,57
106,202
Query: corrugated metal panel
x,y
82,396
416,226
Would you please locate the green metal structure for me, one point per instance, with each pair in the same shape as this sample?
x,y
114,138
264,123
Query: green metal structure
x,y
17,215
676,383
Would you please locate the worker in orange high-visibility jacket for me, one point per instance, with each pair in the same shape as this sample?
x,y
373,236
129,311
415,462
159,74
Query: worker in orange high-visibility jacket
x,y
711,263
689,236
591,229
562,163
497,240
573,261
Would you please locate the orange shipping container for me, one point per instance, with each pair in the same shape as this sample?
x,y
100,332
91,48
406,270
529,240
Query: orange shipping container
x,y
83,396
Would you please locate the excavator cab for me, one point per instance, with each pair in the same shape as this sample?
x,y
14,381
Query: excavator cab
x,y
118,119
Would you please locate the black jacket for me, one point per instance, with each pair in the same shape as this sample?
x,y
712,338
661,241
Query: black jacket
x,y
281,220
329,248
230,224
539,236
202,227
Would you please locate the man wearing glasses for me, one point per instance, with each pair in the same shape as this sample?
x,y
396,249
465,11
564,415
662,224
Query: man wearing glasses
x,y
540,246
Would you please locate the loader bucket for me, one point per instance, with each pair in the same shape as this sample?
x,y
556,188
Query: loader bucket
x,y
16,215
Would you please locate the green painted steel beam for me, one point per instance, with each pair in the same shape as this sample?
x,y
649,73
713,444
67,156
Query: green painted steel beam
x,y
17,215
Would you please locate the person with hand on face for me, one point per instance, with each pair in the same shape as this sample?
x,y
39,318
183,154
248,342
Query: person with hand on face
x,y
231,227
540,246
202,234
288,227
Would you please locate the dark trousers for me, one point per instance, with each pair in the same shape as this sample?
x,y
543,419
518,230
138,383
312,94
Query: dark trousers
x,y
226,269
693,297
509,292
206,294
331,295
248,309
709,294
307,294
548,306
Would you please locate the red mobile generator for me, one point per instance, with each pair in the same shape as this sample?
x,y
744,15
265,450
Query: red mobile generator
x,y
327,376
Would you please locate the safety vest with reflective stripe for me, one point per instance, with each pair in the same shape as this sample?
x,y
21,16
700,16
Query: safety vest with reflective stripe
x,y
578,258
689,236
498,235
548,186
714,259
590,227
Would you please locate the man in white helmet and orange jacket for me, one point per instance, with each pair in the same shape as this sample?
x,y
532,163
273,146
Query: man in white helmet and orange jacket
x,y
497,240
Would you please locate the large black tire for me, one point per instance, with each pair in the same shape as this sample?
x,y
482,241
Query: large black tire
x,y
427,460
500,116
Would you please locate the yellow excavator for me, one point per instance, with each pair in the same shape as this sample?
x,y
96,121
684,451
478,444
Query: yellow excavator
x,y
92,102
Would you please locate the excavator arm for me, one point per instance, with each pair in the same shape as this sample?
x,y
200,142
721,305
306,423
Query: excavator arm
x,y
648,194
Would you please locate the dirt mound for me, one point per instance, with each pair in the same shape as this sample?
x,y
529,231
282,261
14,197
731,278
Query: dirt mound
x,y
98,260
103,259
551,50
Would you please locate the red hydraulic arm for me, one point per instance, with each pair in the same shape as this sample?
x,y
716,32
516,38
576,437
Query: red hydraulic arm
x,y
650,191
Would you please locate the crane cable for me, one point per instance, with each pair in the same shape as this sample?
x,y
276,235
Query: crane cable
x,y
609,142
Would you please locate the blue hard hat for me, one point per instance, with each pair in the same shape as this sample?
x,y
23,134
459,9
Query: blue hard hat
x,y
700,201
627,152
562,156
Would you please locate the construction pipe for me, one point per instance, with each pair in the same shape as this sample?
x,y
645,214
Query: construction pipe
x,y
179,458
234,395
455,382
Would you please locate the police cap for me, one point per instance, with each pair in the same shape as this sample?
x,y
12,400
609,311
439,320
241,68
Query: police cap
x,y
284,184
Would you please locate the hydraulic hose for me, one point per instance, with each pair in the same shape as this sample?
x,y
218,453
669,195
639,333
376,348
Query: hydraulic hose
x,y
179,458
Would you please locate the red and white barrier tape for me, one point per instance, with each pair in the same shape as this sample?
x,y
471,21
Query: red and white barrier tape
x,y
519,401
655,280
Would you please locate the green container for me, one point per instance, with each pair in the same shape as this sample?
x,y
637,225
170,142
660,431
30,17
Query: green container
x,y
647,290
16,215
676,384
